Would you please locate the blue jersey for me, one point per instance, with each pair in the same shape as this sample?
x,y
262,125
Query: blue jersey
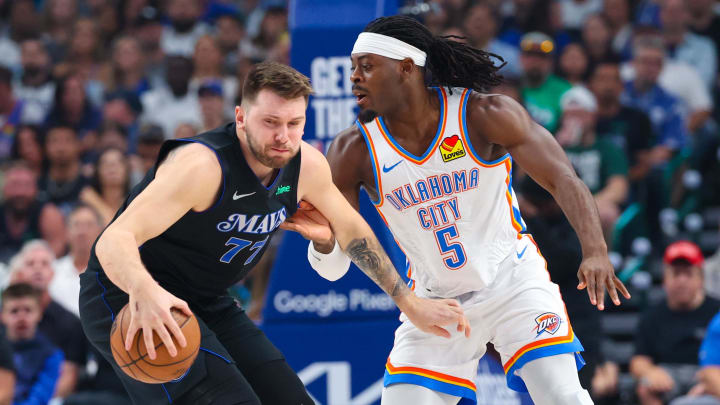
x,y
664,111
710,349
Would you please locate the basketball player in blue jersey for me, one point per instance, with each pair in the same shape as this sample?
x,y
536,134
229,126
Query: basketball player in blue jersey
x,y
437,163
202,218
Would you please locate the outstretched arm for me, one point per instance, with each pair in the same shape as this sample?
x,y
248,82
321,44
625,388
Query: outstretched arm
x,y
351,168
360,244
504,122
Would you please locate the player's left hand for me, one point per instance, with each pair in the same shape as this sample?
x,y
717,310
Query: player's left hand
x,y
597,273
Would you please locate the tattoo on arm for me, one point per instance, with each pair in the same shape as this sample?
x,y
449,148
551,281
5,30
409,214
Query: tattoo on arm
x,y
372,260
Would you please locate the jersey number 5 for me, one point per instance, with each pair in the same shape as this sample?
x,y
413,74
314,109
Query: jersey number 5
x,y
453,252
240,244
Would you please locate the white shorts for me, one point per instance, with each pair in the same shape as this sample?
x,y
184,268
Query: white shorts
x,y
521,313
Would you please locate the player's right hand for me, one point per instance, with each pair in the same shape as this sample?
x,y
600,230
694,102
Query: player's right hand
x,y
311,224
150,307
432,315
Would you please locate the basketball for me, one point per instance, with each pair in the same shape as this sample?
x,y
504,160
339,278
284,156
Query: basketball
x,y
164,368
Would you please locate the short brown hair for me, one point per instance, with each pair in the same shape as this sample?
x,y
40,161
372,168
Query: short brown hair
x,y
20,290
281,79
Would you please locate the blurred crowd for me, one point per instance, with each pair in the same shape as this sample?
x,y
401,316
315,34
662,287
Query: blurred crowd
x,y
89,90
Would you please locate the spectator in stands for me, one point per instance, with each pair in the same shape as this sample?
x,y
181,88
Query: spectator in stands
x,y
480,26
230,33
72,108
63,180
24,217
149,143
627,127
114,136
644,93
169,106
126,70
23,23
597,40
10,112
207,66
541,90
83,58
211,105
107,15
123,107
28,147
35,88
617,16
703,20
707,391
669,335
58,23
600,164
148,29
37,361
691,91
178,39
272,26
84,225
573,64
109,186
695,50
34,266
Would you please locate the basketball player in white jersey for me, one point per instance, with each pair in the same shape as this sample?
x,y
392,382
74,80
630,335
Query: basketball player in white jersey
x,y
437,163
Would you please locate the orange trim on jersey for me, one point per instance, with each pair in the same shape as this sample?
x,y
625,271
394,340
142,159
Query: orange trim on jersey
x,y
542,343
430,374
436,142
518,226
466,138
378,177
547,342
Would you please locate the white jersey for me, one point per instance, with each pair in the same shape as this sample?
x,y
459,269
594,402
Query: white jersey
x,y
454,215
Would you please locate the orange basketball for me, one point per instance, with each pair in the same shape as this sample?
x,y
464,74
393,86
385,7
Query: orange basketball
x,y
137,364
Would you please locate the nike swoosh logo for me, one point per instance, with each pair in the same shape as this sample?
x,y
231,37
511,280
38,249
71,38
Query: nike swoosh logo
x,y
237,196
387,169
519,255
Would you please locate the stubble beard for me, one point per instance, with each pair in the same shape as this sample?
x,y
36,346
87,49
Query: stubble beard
x,y
261,155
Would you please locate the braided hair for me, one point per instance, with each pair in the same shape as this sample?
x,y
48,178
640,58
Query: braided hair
x,y
449,63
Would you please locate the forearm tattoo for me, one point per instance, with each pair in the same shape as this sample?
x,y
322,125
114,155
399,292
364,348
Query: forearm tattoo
x,y
372,260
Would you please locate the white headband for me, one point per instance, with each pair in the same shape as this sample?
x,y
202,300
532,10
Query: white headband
x,y
383,45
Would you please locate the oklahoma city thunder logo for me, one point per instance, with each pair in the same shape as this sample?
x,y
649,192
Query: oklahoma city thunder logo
x,y
452,148
548,322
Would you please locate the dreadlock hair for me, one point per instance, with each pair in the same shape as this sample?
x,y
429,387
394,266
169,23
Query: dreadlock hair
x,y
449,63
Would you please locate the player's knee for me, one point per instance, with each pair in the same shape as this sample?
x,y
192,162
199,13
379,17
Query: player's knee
x,y
554,381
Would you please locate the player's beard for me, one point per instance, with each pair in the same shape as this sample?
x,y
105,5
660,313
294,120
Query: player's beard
x,y
261,155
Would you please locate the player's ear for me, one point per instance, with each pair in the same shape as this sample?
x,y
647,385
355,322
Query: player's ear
x,y
407,66
240,116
